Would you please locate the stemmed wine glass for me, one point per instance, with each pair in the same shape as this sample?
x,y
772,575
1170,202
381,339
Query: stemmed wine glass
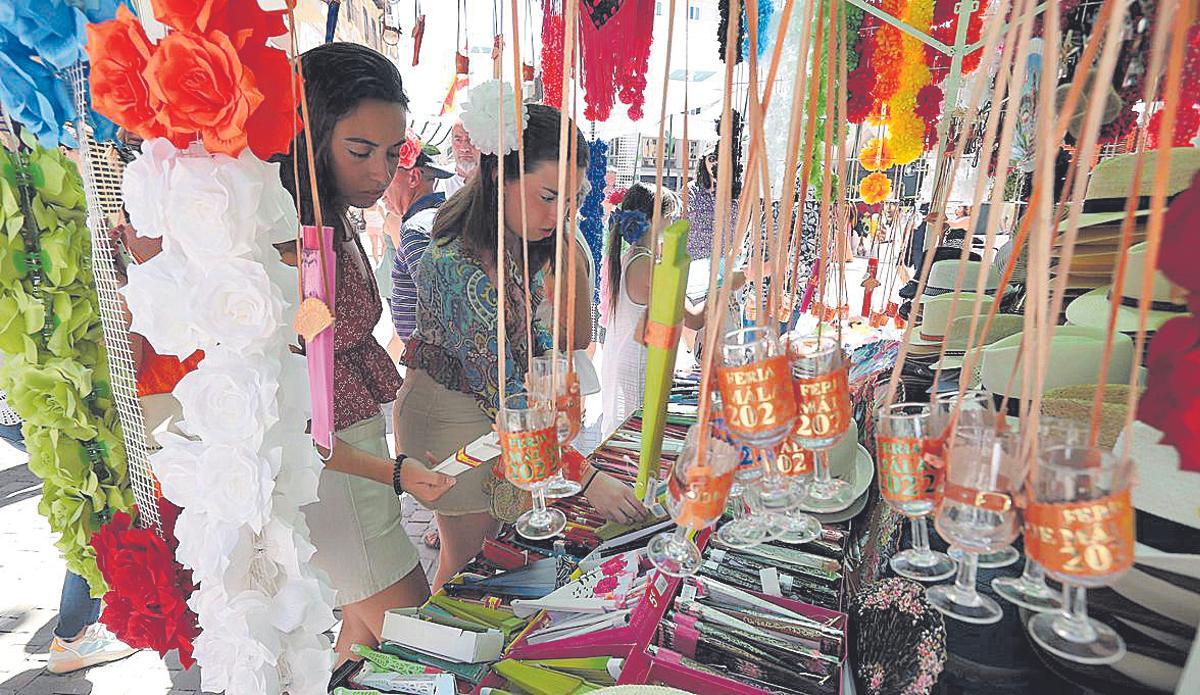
x,y
974,408
529,452
1079,526
1030,590
551,379
823,414
910,485
978,513
758,406
697,490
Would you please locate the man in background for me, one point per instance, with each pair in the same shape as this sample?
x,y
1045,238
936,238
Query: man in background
x,y
466,160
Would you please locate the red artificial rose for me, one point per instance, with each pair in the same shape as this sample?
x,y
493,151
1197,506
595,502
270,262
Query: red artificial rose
x,y
119,51
205,89
1171,402
274,124
237,20
929,102
1179,256
410,150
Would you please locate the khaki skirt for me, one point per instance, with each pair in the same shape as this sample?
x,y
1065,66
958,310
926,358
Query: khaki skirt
x,y
434,419
357,525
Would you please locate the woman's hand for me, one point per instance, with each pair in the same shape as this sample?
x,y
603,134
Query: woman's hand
x,y
422,483
615,500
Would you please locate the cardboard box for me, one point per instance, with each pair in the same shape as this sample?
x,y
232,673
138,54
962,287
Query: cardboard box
x,y
401,625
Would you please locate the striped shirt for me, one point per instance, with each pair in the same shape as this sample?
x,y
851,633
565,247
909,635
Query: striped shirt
x,y
414,239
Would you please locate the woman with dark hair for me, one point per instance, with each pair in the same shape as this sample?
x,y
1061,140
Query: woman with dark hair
x,y
627,294
357,111
451,392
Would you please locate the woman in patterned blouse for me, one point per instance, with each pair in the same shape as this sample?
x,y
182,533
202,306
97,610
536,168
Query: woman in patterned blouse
x,y
452,390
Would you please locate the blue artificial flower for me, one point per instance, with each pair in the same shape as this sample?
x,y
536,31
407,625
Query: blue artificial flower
x,y
591,213
632,224
52,29
32,94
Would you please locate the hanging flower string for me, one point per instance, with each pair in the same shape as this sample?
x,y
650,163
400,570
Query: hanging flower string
x,y
614,49
55,369
591,213
552,53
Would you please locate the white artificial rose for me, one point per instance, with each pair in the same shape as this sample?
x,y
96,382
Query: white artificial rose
x,y
229,402
176,467
237,648
303,605
277,220
309,662
205,546
237,485
157,297
238,306
213,204
144,187
481,116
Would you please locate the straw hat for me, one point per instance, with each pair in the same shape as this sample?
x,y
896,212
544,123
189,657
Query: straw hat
x,y
1092,309
1112,181
1112,104
942,275
1074,356
1074,403
936,317
1003,325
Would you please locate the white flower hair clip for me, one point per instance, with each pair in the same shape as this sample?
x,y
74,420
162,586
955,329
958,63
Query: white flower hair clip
x,y
481,115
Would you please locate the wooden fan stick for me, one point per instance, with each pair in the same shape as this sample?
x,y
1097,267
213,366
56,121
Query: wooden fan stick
x,y
992,38
687,78
1009,79
831,48
501,258
518,109
839,128
570,31
1186,15
1025,225
795,123
714,320
1157,58
809,136
571,250
660,147
761,224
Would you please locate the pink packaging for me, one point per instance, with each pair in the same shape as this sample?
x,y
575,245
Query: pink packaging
x,y
319,350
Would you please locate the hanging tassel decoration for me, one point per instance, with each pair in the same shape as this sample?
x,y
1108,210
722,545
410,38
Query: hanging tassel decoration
x,y
592,210
614,44
552,48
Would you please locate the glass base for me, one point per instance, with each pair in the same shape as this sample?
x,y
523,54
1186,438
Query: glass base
x,y
1095,644
559,487
1034,596
744,533
1004,557
798,528
778,496
536,525
972,608
672,557
825,498
930,566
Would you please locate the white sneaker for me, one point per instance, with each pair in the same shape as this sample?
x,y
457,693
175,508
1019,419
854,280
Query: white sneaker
x,y
95,646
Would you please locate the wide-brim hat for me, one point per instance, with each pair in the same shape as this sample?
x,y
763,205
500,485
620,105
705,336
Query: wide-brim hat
x,y
1003,325
1093,308
936,316
1112,181
1075,404
944,273
1074,358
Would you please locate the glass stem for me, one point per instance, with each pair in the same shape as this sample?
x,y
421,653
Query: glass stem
x,y
968,567
821,474
753,501
920,536
681,535
737,499
1033,574
539,506
1077,628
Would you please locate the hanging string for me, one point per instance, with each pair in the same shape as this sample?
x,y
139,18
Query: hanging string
x,y
570,31
518,107
659,150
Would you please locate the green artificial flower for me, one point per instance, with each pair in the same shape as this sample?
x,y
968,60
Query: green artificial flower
x,y
52,395
12,264
12,219
57,181
75,327
22,318
65,253
57,458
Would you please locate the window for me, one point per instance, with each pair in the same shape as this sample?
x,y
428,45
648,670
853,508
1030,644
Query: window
x,y
693,11
658,9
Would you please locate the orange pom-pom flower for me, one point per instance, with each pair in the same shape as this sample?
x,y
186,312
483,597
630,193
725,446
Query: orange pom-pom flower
x,y
875,188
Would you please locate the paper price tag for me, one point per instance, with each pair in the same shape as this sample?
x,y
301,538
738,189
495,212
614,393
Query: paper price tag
x,y
710,565
786,581
688,593
660,584
718,555
769,576
648,499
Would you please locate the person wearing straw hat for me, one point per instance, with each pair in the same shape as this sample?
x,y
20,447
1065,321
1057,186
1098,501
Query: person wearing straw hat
x,y
1093,309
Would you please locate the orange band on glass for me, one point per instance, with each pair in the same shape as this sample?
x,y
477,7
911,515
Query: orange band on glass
x,y
991,500
758,396
529,457
703,500
822,404
661,336
794,459
904,471
1082,539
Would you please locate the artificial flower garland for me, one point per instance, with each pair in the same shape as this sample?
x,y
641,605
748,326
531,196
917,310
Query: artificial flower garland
x,y
876,155
56,367
146,604
245,467
875,188
553,28
591,213
905,127
614,52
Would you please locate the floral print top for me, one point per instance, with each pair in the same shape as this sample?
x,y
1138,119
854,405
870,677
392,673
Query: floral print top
x,y
363,374
455,339
702,212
